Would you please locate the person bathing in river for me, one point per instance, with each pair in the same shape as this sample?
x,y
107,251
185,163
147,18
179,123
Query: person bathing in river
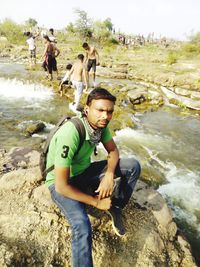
x,y
50,54
91,61
78,77
75,181
65,80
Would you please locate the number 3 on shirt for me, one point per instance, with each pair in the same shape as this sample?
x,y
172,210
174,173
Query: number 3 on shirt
x,y
65,152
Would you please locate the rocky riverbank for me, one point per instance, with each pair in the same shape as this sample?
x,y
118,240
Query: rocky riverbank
x,y
33,232
177,82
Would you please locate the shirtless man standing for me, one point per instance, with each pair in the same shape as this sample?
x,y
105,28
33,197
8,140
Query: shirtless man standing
x,y
77,76
92,60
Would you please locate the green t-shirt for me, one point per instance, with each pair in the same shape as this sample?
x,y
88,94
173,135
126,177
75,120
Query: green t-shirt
x,y
63,147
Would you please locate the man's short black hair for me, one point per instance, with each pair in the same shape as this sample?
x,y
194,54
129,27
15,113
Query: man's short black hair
x,y
85,45
46,37
69,66
51,30
100,93
81,57
27,34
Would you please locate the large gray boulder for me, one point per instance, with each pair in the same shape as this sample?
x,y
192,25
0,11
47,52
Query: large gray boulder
x,y
33,232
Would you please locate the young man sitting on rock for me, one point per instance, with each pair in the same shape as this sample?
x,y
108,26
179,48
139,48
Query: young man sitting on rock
x,y
76,182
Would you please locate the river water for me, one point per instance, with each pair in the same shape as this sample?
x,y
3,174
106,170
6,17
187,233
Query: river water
x,y
168,137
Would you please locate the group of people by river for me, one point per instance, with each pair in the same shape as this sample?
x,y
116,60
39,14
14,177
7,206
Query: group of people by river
x,y
76,75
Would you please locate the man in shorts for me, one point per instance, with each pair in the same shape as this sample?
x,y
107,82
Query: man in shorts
x,y
50,54
91,60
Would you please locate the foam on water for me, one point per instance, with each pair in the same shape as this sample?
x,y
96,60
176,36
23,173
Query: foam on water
x,y
15,89
183,188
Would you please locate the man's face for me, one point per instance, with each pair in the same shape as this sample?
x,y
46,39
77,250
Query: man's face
x,y
86,48
99,113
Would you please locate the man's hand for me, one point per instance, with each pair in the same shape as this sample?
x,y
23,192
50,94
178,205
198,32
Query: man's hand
x,y
103,204
105,188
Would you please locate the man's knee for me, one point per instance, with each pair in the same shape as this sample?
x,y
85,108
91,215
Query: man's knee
x,y
130,164
136,166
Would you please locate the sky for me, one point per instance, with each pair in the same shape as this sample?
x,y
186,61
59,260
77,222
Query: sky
x,y
178,19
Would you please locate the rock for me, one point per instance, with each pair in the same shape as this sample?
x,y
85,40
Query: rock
x,y
181,100
109,73
151,175
155,98
195,95
186,250
35,128
33,232
3,39
182,91
18,157
143,93
120,65
137,96
122,70
6,256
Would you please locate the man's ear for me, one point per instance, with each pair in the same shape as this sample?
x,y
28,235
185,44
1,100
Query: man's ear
x,y
86,110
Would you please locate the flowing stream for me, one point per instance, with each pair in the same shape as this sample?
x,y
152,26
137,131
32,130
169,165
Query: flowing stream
x,y
170,139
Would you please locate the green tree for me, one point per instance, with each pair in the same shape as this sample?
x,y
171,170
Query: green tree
x,y
83,24
70,28
108,24
192,48
31,22
195,39
101,32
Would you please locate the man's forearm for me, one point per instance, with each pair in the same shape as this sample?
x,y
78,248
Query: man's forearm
x,y
73,193
113,158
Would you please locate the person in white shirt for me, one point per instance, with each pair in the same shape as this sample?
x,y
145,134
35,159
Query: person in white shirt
x,y
51,36
31,46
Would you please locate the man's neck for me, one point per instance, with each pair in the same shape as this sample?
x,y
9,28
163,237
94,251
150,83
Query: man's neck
x,y
91,125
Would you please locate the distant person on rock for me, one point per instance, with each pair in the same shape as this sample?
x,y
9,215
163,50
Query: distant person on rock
x,y
91,60
74,181
65,80
50,54
32,46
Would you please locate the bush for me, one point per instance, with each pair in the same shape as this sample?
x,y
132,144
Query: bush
x,y
191,48
172,58
113,41
195,39
12,31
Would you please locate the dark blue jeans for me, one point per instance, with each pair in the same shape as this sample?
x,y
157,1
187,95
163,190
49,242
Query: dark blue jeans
x,y
127,169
